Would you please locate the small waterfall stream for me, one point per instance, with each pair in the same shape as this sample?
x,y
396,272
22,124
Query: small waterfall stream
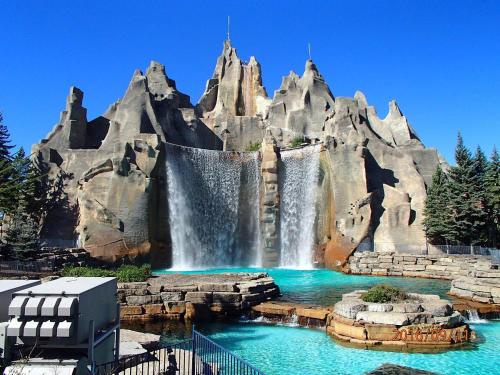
x,y
213,207
473,317
297,184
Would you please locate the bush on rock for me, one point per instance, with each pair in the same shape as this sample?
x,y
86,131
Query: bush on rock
x,y
382,294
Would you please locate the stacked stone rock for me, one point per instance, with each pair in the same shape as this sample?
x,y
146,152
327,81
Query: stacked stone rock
x,y
65,257
194,297
271,202
419,321
286,312
446,267
115,184
53,259
482,286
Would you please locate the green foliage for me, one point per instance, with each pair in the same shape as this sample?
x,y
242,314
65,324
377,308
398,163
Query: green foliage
x,y
87,272
125,273
438,216
129,273
383,293
254,146
469,216
463,205
297,141
5,145
492,194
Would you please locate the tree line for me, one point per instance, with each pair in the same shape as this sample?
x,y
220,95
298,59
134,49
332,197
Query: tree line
x,y
463,201
25,193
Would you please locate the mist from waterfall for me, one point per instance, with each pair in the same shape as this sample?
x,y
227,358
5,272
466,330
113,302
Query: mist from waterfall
x,y
299,173
213,205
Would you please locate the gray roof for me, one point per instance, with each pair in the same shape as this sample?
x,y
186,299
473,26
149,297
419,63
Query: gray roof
x,y
6,285
70,285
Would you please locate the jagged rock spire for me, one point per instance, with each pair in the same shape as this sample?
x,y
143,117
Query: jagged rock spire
x,y
235,87
302,104
394,128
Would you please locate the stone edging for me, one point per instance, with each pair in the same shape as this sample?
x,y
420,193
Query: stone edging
x,y
194,297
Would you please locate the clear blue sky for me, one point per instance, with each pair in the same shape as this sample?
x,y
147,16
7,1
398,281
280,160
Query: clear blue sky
x,y
439,59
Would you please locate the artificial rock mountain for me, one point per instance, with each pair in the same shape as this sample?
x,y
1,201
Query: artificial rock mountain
x,y
111,170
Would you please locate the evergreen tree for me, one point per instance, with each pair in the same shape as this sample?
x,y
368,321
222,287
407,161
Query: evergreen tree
x,y
465,202
480,165
492,188
22,234
438,218
5,145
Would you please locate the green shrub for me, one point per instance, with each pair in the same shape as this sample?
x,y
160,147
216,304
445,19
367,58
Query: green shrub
x,y
133,273
125,273
297,141
86,272
382,294
253,146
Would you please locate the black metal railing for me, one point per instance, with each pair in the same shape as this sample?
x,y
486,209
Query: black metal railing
x,y
196,356
431,249
33,266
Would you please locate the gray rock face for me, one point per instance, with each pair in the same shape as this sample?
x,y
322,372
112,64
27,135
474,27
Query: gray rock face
x,y
373,172
302,104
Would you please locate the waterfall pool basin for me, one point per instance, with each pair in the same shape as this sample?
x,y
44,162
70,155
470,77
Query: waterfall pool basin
x,y
325,287
281,349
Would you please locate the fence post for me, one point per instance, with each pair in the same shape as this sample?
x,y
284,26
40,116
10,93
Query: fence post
x,y
193,352
471,249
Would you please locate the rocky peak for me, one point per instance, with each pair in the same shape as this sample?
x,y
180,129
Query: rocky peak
x,y
302,104
158,83
235,87
394,129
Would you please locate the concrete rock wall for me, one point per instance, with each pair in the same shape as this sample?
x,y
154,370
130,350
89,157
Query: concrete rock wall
x,y
374,172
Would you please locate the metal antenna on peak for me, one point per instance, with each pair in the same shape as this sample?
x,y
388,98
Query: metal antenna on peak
x,y
309,50
228,21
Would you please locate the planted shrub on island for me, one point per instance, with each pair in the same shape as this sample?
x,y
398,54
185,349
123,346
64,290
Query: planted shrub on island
x,y
383,293
124,274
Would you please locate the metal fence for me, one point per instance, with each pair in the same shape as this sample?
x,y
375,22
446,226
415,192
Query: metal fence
x,y
196,356
34,266
430,249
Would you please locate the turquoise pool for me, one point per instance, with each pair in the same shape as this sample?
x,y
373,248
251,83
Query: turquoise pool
x,y
325,287
278,349
286,350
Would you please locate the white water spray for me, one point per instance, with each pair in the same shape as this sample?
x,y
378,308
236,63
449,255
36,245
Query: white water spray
x,y
213,207
473,317
298,182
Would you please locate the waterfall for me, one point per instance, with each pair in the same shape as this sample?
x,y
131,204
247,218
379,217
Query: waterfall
x,y
299,172
473,317
213,205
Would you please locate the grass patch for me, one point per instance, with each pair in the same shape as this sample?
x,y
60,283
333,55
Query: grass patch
x,y
383,293
297,141
253,146
124,274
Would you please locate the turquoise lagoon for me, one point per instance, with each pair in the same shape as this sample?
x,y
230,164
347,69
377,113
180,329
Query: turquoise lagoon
x,y
281,349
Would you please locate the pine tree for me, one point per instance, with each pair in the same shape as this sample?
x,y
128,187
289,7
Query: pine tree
x,y
492,188
437,210
23,225
480,165
5,145
468,215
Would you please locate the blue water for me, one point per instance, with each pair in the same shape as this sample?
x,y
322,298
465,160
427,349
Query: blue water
x,y
279,349
325,287
286,350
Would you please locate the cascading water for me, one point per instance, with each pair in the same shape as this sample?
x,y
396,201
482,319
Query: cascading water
x,y
213,205
299,173
473,317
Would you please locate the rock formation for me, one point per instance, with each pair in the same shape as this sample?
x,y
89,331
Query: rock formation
x,y
373,172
